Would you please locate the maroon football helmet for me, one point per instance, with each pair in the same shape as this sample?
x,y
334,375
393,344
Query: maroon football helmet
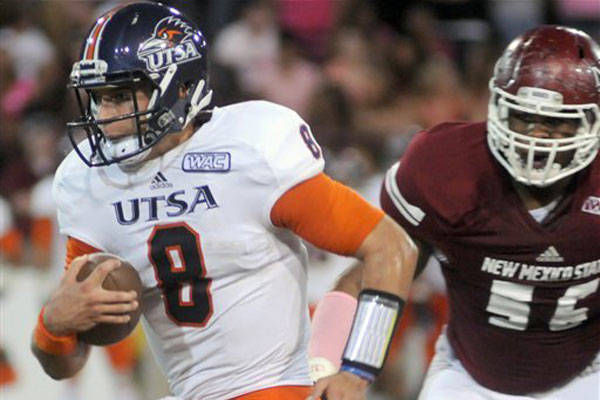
x,y
547,72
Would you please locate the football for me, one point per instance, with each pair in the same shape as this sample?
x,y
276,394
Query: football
x,y
124,278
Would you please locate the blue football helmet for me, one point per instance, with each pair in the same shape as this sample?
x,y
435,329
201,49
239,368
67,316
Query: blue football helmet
x,y
140,45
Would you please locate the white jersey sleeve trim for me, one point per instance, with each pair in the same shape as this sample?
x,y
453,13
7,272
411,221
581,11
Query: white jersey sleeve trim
x,y
412,213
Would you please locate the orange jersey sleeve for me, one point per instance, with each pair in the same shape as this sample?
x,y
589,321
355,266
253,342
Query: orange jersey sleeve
x,y
76,248
327,214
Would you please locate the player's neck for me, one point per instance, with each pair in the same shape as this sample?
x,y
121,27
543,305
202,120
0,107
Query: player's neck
x,y
536,197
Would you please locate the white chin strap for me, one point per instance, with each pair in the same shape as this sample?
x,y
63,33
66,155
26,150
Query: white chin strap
x,y
119,147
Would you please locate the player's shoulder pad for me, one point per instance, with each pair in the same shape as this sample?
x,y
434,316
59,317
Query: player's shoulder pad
x,y
260,122
441,169
69,185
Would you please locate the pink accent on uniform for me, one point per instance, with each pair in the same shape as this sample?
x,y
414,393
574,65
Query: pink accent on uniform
x,y
331,326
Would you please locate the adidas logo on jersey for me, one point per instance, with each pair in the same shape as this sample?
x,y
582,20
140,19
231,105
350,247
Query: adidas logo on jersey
x,y
160,182
550,255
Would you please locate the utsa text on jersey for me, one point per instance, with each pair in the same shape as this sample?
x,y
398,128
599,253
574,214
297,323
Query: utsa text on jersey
x,y
158,206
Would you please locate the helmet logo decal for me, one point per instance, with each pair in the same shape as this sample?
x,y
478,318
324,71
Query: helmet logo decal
x,y
171,43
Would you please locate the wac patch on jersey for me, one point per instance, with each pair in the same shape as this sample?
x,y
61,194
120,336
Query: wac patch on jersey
x,y
206,162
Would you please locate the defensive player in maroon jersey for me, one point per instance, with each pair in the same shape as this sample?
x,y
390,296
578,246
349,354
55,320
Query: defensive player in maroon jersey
x,y
511,208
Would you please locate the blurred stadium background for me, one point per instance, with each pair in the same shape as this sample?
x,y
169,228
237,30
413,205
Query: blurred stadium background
x,y
366,75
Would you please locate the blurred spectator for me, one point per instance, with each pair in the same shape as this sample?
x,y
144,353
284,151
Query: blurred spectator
x,y
513,17
39,137
11,240
15,93
289,79
247,44
219,14
439,94
355,68
16,179
422,24
32,55
10,249
581,14
9,105
312,22
8,375
329,115
479,65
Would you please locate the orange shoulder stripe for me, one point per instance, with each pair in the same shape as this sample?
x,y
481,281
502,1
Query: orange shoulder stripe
x,y
327,214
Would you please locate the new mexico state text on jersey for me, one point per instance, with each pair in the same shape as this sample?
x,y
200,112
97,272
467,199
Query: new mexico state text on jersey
x,y
527,272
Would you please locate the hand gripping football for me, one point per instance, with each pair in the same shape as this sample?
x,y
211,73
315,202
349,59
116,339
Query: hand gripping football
x,y
124,278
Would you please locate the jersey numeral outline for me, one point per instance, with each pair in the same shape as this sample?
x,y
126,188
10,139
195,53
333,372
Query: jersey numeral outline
x,y
175,252
312,145
509,302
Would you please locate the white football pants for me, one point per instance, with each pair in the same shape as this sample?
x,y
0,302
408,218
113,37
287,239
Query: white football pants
x,y
447,379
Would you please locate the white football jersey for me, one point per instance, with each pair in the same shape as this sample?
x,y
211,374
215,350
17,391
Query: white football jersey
x,y
224,300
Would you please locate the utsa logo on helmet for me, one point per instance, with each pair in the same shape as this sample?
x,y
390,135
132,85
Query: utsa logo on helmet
x,y
170,43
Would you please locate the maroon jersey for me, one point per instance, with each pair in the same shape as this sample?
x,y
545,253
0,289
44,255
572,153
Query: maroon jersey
x,y
524,298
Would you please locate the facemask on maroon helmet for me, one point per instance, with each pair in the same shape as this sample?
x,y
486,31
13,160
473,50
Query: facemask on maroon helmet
x,y
550,73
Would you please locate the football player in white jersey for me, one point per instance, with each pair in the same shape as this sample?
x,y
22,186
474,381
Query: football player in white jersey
x,y
210,207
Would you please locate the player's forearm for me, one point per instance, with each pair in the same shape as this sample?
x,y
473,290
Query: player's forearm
x,y
350,281
61,357
389,258
62,366
381,283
